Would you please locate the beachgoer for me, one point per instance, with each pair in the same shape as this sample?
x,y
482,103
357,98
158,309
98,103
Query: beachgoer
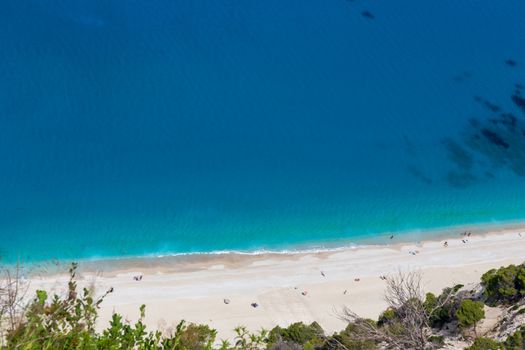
x,y
304,293
322,274
254,305
344,292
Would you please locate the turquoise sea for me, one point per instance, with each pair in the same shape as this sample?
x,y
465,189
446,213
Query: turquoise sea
x,y
177,126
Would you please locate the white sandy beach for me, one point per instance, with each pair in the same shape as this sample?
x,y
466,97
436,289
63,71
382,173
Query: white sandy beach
x,y
194,291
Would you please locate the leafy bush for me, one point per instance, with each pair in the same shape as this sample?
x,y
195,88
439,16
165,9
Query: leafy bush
x,y
504,285
485,344
348,340
441,311
298,333
69,323
470,313
516,341
386,317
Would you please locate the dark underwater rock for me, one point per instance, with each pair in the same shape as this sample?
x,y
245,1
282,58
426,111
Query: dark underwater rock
x,y
368,14
511,63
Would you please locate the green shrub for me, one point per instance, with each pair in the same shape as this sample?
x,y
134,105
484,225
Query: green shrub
x,y
516,341
69,323
470,313
298,333
437,341
350,340
386,317
504,285
485,344
442,314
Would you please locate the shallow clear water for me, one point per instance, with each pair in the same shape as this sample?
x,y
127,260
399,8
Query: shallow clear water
x,y
136,127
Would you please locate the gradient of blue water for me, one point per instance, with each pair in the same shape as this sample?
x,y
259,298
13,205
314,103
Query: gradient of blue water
x,y
137,127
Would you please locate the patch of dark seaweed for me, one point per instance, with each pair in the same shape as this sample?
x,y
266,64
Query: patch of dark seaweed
x,y
409,146
494,138
458,154
492,143
487,104
418,174
519,101
475,123
462,76
507,120
460,179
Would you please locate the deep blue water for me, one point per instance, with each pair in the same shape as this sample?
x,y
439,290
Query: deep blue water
x,y
170,126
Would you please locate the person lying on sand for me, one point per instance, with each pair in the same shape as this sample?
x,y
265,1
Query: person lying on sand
x,y
254,305
304,293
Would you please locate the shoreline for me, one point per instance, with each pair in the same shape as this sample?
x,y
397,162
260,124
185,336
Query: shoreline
x,y
194,289
401,238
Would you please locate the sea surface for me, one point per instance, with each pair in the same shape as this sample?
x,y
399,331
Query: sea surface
x,y
133,128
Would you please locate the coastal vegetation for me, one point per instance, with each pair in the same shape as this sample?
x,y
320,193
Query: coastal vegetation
x,y
413,320
505,285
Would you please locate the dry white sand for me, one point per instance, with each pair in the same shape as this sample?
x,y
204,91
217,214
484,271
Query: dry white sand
x,y
194,290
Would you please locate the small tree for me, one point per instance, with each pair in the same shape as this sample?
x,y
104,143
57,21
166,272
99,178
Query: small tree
x,y
470,313
13,291
504,285
250,341
407,322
